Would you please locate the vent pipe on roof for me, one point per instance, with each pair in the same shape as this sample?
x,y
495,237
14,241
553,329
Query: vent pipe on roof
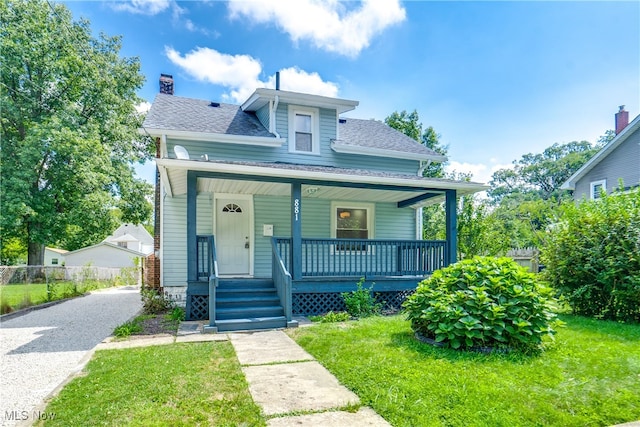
x,y
166,84
277,80
622,119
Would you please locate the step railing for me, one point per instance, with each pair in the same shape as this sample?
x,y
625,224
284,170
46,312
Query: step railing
x,y
365,257
208,270
281,279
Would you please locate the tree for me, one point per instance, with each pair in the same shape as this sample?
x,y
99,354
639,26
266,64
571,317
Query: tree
x,y
68,129
541,175
409,124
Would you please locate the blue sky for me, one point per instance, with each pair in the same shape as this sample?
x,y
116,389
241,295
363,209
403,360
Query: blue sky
x,y
496,79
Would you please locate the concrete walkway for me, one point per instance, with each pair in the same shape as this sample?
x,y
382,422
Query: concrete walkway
x,y
284,379
42,348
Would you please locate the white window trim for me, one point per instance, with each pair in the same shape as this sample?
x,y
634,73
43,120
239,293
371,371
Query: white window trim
x,y
593,185
370,207
315,129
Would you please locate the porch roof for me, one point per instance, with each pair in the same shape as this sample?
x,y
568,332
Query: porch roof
x,y
319,181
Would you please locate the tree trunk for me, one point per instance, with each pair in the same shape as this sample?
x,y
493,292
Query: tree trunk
x,y
35,254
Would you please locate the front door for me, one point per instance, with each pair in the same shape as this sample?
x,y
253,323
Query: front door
x,y
233,237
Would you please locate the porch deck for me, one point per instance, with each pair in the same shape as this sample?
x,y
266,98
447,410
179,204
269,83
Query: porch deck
x,y
328,267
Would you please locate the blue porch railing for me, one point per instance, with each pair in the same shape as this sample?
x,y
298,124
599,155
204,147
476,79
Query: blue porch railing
x,y
281,280
208,270
364,257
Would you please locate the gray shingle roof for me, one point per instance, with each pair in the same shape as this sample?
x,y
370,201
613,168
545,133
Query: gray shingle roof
x,y
169,112
376,134
172,112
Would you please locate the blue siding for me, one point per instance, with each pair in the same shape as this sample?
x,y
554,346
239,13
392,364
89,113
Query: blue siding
x,y
327,157
263,116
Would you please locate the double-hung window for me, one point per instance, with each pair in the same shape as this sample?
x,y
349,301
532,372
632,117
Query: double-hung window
x,y
352,221
304,130
597,187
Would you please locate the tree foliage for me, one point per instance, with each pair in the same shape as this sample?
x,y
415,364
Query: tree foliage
x,y
539,176
593,256
69,129
410,125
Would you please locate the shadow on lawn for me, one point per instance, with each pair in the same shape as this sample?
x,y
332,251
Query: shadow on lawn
x,y
407,341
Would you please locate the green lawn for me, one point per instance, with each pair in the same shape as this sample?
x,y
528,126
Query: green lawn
x,y
589,378
15,297
194,384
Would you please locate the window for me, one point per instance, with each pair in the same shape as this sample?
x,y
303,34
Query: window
x,y
303,135
352,221
597,187
232,208
54,261
304,130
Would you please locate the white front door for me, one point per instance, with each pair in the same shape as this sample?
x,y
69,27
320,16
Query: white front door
x,y
233,236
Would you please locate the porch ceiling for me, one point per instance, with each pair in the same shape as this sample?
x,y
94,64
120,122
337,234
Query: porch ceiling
x,y
264,180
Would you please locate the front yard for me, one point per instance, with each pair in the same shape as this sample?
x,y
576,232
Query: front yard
x,y
589,377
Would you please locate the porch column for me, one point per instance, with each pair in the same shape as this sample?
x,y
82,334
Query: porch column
x,y
192,262
296,230
451,227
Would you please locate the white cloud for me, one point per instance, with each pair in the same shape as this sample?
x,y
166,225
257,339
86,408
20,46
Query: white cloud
x,y
143,107
241,73
480,172
327,24
296,80
142,7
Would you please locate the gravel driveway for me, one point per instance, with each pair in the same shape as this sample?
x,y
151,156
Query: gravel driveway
x,y
40,349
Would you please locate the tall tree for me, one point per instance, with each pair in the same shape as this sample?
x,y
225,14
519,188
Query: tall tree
x,y
69,128
539,176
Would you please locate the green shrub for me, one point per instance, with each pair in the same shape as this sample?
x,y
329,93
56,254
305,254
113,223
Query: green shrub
x,y
483,302
593,257
177,314
127,329
361,302
153,302
331,317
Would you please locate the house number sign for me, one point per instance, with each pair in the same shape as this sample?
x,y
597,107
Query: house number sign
x,y
296,209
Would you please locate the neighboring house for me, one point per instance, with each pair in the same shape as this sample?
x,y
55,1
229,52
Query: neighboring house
x,y
297,202
54,256
618,160
103,255
134,237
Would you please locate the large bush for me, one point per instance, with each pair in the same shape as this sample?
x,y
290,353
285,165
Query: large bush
x,y
593,256
483,302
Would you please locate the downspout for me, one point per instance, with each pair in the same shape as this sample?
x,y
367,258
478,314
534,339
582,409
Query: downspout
x,y
272,116
419,215
423,166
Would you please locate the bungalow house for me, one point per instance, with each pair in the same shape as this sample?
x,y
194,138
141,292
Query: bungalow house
x,y
132,236
618,160
274,207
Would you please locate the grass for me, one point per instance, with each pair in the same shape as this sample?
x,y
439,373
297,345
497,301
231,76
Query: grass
x,y
195,384
18,296
589,377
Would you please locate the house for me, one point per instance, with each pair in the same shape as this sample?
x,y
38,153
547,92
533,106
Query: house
x,y
54,256
103,254
132,236
275,207
618,160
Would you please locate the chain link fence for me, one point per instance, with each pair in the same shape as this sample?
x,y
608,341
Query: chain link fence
x,y
25,286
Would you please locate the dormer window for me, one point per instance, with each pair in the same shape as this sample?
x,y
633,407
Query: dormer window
x,y
304,130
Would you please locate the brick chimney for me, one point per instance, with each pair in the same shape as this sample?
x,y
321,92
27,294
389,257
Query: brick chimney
x,y
166,84
622,119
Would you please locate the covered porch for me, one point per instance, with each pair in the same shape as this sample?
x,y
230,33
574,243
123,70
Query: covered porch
x,y
309,272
